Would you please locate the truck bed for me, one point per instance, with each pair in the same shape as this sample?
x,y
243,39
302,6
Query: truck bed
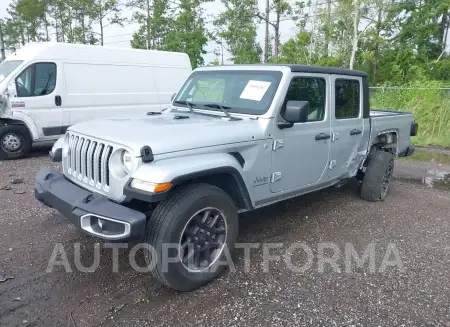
x,y
395,121
381,112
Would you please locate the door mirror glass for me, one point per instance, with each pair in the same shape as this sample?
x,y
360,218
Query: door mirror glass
x,y
297,111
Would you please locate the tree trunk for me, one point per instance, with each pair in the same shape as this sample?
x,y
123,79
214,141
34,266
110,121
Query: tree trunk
x,y
355,36
276,48
22,36
443,26
63,32
276,26
377,47
266,37
46,28
83,27
148,24
327,30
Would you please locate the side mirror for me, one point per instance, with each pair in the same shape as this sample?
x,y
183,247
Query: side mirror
x,y
173,96
12,91
296,112
3,101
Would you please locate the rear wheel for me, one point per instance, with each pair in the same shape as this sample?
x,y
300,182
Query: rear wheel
x,y
192,232
378,176
15,142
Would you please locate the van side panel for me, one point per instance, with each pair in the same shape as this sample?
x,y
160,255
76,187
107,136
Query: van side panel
x,y
95,90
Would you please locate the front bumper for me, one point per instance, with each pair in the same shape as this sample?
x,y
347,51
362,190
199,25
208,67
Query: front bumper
x,y
92,213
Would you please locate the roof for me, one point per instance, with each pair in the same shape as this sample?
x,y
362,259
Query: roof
x,y
96,53
293,68
325,70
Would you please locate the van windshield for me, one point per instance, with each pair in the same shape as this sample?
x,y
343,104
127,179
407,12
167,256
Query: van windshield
x,y
244,91
7,68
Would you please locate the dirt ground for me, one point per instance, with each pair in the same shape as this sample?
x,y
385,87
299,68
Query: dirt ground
x,y
414,219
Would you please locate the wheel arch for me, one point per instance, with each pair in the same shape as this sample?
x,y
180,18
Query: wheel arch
x,y
226,178
386,140
222,170
26,122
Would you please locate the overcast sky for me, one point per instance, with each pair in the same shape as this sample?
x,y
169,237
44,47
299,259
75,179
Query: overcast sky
x,y
117,36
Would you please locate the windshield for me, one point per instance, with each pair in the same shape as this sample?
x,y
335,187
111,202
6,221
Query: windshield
x,y
243,91
7,67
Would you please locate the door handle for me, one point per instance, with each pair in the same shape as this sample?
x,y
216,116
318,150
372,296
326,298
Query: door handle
x,y
58,100
355,132
322,136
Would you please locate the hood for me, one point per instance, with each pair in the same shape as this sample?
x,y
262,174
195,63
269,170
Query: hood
x,y
164,133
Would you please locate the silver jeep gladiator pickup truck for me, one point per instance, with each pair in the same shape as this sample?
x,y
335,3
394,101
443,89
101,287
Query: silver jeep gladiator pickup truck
x,y
234,139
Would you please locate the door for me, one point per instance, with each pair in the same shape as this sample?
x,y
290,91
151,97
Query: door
x,y
347,123
39,96
300,153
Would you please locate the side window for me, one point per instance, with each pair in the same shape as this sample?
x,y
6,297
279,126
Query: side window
x,y
311,90
347,99
36,80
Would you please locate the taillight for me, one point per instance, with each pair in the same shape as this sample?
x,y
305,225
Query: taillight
x,y
414,128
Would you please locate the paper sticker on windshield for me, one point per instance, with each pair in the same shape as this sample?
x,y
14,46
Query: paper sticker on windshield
x,y
255,90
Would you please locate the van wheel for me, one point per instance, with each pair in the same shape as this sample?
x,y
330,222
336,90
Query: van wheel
x,y
378,176
15,142
193,233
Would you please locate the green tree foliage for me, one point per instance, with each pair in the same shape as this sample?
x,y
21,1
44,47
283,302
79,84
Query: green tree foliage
x,y
153,19
394,42
187,32
237,27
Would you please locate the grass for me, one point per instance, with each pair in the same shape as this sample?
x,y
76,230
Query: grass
x,y
429,104
427,156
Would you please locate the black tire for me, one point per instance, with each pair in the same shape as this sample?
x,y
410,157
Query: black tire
x,y
23,134
170,220
378,176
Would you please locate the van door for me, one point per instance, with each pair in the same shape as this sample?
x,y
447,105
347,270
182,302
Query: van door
x,y
347,123
300,153
38,94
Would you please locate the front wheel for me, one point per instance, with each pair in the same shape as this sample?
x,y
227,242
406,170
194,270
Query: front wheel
x,y
192,233
378,176
15,142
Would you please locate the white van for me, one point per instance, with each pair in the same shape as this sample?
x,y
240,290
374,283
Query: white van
x,y
47,87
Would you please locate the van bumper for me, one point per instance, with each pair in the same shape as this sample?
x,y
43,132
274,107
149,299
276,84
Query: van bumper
x,y
92,213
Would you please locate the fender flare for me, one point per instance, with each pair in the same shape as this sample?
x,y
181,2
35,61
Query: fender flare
x,y
181,170
21,118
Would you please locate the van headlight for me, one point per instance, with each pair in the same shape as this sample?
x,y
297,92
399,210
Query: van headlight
x,y
127,162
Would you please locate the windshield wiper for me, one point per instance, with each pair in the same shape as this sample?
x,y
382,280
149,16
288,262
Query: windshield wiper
x,y
223,108
187,104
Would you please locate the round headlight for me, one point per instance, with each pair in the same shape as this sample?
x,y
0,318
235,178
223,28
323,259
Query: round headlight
x,y
127,162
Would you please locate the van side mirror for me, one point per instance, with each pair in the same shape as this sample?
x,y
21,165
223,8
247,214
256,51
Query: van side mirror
x,y
3,101
173,96
12,91
296,112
